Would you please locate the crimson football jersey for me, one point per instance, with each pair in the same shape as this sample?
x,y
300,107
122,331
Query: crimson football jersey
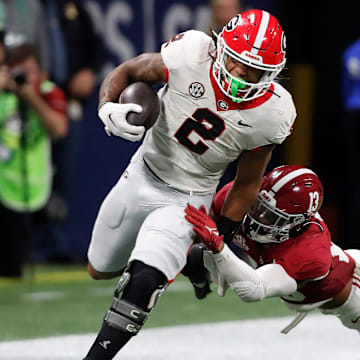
x,y
321,268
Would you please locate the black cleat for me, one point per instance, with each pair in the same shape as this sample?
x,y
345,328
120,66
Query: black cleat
x,y
196,271
201,289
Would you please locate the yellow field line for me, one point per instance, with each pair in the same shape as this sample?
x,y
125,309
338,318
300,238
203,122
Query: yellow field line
x,y
47,278
41,276
62,276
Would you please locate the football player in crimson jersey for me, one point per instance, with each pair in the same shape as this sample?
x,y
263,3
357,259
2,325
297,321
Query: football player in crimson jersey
x,y
219,103
284,248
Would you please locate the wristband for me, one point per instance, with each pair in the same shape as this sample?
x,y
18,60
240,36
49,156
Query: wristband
x,y
227,227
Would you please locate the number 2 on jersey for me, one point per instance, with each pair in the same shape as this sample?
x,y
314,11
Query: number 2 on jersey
x,y
197,123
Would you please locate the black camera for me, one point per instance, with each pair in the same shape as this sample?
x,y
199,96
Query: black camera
x,y
19,78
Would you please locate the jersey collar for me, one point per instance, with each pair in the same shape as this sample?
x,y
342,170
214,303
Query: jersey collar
x,y
223,103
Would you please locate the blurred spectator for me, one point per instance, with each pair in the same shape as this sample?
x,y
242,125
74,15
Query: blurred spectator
x,y
74,47
2,47
76,57
222,11
33,110
351,106
24,22
351,79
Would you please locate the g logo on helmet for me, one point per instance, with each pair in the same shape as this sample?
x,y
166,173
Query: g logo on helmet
x,y
231,25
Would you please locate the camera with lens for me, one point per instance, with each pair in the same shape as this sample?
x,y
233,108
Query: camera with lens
x,y
19,78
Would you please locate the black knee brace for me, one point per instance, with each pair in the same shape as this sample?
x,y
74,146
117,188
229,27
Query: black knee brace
x,y
141,285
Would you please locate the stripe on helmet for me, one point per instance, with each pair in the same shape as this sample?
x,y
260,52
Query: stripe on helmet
x,y
290,176
261,33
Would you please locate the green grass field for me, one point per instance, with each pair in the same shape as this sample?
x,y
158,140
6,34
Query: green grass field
x,y
56,300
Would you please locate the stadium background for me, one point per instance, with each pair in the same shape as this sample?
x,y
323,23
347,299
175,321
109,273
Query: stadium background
x,y
316,36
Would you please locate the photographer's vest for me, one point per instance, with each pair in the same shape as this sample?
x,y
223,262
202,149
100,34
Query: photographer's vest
x,y
25,156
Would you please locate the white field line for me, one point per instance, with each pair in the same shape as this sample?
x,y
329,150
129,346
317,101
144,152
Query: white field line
x,y
317,337
35,296
178,286
42,296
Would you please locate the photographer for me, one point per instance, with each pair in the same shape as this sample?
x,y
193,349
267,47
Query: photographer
x,y
32,112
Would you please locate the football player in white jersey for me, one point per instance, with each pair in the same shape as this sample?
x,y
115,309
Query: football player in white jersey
x,y
284,248
219,103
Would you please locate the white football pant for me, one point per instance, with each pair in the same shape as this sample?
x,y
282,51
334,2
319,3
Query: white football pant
x,y
142,218
349,312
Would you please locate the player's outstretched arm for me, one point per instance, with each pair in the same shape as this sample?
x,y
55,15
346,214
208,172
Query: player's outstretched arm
x,y
253,285
249,284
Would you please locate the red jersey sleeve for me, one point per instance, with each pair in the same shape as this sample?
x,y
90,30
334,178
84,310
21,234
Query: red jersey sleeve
x,y
220,198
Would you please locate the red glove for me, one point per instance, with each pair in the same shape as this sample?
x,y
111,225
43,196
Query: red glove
x,y
205,228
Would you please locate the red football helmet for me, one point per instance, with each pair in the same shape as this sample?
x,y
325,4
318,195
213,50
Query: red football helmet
x,y
254,38
289,196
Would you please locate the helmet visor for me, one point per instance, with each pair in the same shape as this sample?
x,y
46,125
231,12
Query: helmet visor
x,y
265,223
264,214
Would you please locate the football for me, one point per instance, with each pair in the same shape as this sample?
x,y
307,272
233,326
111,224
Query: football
x,y
143,94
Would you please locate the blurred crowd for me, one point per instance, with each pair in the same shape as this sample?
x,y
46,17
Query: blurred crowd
x,y
50,55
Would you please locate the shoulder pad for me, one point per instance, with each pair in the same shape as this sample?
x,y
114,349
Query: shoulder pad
x,y
307,258
186,48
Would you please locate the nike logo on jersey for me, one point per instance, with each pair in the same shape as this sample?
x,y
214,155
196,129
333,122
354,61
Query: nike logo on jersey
x,y
104,344
212,230
243,124
356,320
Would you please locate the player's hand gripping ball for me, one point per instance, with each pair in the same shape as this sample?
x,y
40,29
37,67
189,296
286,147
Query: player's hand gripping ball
x,y
143,94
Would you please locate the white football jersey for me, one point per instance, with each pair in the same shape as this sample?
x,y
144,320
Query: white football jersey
x,y
199,130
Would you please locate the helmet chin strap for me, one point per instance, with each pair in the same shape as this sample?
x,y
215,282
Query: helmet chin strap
x,y
235,86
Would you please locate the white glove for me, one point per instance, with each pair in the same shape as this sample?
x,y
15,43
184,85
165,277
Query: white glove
x,y
114,118
215,275
222,285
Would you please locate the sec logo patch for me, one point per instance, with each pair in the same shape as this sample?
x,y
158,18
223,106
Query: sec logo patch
x,y
196,90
